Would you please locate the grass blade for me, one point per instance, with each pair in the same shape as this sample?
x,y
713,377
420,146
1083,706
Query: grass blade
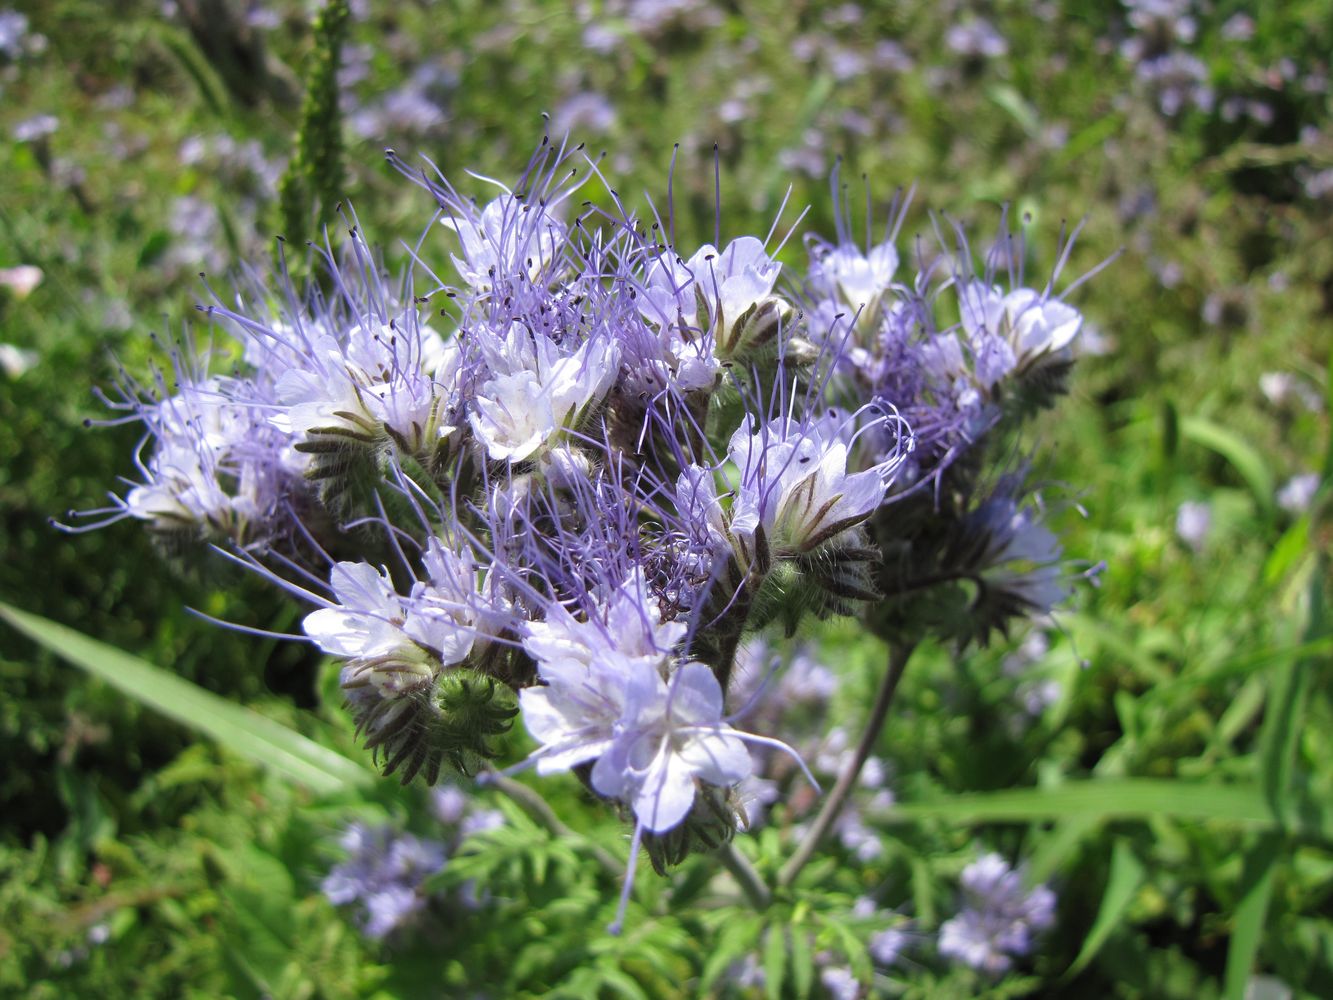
x,y
241,730
1123,881
1256,890
1244,458
1111,798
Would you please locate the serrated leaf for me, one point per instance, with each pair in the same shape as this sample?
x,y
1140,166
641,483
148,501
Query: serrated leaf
x,y
241,730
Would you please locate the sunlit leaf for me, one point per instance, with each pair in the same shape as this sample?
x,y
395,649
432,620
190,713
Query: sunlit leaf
x,y
241,730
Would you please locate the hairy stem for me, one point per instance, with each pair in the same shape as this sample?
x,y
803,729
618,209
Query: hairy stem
x,y
532,803
837,798
746,876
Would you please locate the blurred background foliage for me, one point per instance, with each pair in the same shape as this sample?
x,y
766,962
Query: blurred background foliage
x,y
144,142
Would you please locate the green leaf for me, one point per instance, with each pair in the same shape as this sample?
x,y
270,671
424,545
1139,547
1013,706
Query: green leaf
x,y
1287,552
621,982
1285,711
1005,97
737,937
1055,849
1125,877
241,730
1248,462
1088,138
1247,665
775,962
1110,798
802,962
1256,890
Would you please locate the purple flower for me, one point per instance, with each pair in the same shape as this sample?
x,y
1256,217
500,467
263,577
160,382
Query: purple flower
x,y
382,872
613,695
999,919
13,34
1193,523
976,38
840,982
1298,493
793,492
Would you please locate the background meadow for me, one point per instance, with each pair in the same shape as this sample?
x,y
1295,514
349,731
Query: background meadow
x,y
1159,754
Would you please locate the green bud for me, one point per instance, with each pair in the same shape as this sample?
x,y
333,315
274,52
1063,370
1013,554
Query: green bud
x,y
422,722
710,824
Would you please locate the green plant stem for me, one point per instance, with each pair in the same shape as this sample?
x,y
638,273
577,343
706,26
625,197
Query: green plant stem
x,y
746,876
837,798
540,810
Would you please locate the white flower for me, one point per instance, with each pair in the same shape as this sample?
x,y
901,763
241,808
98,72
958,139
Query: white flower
x,y
217,463
507,239
794,485
398,642
613,695
711,306
368,618
1010,332
513,416
183,489
536,391
394,377
856,278
670,734
21,280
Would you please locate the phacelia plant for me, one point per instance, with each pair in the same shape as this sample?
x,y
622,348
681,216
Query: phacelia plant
x,y
563,466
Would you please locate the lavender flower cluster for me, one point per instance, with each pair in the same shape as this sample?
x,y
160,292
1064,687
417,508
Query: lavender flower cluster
x,y
383,869
1000,917
568,473
382,874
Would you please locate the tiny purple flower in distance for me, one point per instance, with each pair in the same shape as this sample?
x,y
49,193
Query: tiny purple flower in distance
x,y
1194,520
13,28
383,872
887,946
840,982
999,918
1299,493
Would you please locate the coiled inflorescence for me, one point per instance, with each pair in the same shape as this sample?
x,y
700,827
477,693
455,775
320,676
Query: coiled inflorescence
x,y
562,466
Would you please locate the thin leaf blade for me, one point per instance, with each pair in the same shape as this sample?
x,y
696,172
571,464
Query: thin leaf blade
x,y
242,730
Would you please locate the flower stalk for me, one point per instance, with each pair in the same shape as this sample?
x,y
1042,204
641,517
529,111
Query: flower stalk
x,y
899,654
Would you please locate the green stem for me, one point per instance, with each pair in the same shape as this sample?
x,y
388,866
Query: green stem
x,y
746,876
832,808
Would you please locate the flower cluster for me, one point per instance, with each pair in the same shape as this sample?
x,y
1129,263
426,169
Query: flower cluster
x,y
383,872
564,467
1000,917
